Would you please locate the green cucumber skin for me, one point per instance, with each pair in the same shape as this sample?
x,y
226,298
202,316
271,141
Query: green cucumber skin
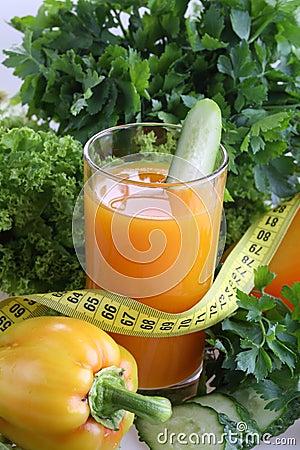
x,y
198,143
268,421
227,404
249,398
290,414
235,417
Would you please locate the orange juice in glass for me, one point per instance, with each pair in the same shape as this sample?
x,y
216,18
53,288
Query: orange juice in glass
x,y
150,240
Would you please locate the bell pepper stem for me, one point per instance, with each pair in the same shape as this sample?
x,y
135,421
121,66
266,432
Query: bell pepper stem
x,y
109,399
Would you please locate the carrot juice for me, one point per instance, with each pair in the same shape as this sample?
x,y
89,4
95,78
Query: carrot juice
x,y
154,242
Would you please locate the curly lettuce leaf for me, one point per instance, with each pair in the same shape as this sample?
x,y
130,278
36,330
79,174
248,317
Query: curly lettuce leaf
x,y
40,179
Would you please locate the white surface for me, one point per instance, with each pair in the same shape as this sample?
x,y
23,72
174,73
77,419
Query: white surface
x,y
10,84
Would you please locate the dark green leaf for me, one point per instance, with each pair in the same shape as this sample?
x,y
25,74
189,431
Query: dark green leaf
x,y
255,95
241,23
241,61
261,179
255,361
244,329
159,7
130,101
100,96
279,120
225,65
285,355
139,73
24,58
282,181
269,389
213,22
211,43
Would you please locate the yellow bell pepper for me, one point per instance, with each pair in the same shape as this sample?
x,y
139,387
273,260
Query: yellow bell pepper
x,y
67,385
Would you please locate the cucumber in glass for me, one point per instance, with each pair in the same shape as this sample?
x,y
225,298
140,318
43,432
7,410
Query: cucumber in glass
x,y
198,144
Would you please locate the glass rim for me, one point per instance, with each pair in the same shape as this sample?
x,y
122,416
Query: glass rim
x,y
205,178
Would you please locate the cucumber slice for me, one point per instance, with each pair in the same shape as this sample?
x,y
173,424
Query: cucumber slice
x,y
238,421
256,405
198,144
191,426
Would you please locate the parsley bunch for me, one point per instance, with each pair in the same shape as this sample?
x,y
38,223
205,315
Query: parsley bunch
x,y
259,345
92,64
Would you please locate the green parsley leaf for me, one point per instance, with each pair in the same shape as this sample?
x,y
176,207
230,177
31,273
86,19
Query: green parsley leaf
x,y
285,355
241,23
262,277
259,340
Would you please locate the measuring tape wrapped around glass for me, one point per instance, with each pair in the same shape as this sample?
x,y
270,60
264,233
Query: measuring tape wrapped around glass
x,y
119,314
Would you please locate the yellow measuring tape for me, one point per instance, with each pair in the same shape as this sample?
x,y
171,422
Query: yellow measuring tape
x,y
119,314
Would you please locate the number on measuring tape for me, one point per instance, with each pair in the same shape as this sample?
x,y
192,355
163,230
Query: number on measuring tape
x,y
263,235
109,312
213,310
127,319
75,297
247,260
167,326
17,310
272,221
184,323
91,303
5,323
256,249
200,318
239,269
222,302
147,324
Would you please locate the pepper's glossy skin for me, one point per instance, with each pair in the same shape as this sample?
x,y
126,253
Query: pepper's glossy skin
x,y
285,262
47,366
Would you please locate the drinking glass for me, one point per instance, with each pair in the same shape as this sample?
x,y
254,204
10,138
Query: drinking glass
x,y
152,240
